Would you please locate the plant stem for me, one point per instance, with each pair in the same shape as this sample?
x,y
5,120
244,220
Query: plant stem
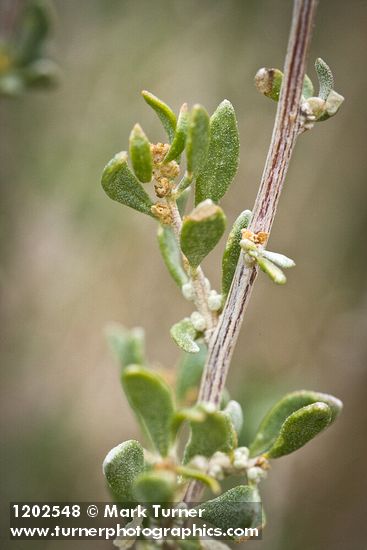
x,y
286,129
197,277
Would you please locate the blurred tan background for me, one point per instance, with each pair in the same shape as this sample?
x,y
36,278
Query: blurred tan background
x,y
72,260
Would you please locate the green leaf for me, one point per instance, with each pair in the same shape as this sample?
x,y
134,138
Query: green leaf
x,y
299,428
197,140
121,467
278,259
122,186
332,106
325,77
165,113
33,30
179,140
189,374
234,411
155,486
274,272
271,424
182,200
140,154
308,89
184,335
269,82
127,345
223,155
239,507
201,231
214,433
232,250
191,473
152,401
171,254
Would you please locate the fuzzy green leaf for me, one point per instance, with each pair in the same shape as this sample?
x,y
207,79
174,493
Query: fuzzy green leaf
x,y
34,27
184,335
223,155
201,231
308,89
271,424
274,272
235,413
140,154
127,345
171,254
155,486
232,250
121,467
152,401
239,507
332,106
214,433
278,259
179,140
325,77
269,82
164,112
197,140
182,200
122,186
189,375
299,428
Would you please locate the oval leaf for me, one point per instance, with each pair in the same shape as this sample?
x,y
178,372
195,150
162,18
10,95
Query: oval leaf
x,y
325,77
155,486
235,413
171,254
271,424
239,507
201,231
122,186
213,433
274,272
140,154
278,259
299,428
269,82
121,467
223,155
197,140
152,401
189,375
164,112
184,334
33,30
179,140
232,250
127,345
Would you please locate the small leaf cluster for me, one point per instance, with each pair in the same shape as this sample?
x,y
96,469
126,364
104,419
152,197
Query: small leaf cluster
x,y
23,64
313,108
161,473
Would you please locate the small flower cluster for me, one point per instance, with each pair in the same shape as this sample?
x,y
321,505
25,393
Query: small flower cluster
x,y
222,465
